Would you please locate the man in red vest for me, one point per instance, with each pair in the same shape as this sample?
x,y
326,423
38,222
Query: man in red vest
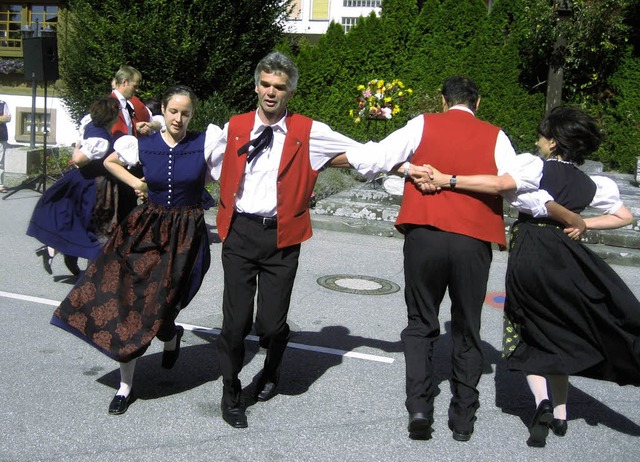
x,y
268,161
135,118
448,239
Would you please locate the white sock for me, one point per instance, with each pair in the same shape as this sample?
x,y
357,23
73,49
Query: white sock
x,y
126,377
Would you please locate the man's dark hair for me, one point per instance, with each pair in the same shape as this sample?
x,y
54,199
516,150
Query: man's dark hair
x,y
460,90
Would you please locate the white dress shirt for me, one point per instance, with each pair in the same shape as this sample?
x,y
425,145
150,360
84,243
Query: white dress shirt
x,y
123,108
401,145
258,192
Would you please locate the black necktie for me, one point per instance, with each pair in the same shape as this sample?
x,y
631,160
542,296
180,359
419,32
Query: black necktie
x,y
130,110
261,142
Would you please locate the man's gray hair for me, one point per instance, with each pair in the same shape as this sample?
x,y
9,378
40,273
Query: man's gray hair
x,y
278,63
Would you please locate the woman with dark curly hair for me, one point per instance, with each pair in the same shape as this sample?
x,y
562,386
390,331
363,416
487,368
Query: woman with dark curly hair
x,y
155,262
566,311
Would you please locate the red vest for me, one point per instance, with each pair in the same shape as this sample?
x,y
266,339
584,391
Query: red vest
x,y
141,114
456,142
296,178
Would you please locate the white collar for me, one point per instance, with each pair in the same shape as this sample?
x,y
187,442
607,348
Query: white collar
x,y
280,125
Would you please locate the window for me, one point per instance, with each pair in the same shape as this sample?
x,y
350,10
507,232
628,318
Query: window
x,y
362,3
320,10
348,23
23,125
13,17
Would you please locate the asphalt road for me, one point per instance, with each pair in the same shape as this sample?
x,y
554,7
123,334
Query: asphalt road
x,y
342,390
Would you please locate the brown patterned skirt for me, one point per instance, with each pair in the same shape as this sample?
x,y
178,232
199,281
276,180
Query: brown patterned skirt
x,y
133,291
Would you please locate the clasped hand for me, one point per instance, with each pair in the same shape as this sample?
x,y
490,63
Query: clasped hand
x,y
427,178
142,190
430,180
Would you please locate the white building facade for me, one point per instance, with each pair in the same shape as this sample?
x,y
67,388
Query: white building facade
x,y
311,18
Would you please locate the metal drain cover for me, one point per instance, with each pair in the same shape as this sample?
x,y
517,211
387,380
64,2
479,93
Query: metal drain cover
x,y
358,284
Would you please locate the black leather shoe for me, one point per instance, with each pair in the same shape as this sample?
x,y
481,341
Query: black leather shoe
x,y
119,404
419,426
234,416
266,392
539,428
46,258
72,264
558,427
169,357
459,435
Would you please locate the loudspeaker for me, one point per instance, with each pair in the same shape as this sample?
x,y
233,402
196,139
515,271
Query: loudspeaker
x,y
40,58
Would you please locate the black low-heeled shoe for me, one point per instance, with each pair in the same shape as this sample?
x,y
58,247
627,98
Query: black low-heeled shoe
x,y
235,416
539,428
169,357
559,427
119,404
419,426
46,258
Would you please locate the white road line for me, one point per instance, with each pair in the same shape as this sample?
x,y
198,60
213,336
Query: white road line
x,y
207,330
29,298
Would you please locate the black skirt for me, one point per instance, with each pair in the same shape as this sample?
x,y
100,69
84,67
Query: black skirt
x,y
571,313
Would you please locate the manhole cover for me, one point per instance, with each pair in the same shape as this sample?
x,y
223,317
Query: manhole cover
x,y
355,284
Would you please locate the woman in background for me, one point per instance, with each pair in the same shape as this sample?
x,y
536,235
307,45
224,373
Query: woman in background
x,y
65,218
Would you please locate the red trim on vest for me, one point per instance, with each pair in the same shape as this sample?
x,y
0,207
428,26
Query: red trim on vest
x,y
296,178
141,115
456,142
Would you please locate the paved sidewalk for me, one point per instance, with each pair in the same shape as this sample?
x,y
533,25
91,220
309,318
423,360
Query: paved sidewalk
x,y
342,391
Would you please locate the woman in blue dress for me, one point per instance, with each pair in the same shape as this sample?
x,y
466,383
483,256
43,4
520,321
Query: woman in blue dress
x,y
155,262
71,217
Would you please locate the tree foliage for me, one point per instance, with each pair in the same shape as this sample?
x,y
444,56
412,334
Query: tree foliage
x,y
213,46
596,35
210,45
507,51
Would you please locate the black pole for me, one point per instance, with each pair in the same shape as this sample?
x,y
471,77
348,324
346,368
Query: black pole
x,y
34,94
44,143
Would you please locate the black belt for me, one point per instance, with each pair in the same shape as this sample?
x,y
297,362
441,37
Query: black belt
x,y
267,222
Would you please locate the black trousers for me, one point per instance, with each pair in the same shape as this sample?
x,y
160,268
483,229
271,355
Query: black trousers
x,y
251,259
435,261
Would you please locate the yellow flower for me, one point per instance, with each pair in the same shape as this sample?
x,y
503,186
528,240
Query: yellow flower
x,y
360,87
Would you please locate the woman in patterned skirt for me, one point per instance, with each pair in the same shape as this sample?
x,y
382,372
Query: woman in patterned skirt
x,y
567,312
155,262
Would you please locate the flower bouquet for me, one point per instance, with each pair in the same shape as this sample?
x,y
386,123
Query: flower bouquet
x,y
379,100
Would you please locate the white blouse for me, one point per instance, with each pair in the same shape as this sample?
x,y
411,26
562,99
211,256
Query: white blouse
x,y
93,147
127,149
606,200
